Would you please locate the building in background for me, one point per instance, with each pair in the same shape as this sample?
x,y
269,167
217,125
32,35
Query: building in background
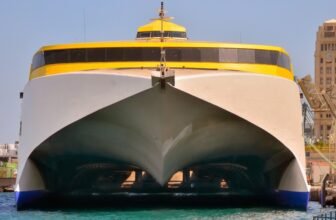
x,y
8,152
325,74
8,166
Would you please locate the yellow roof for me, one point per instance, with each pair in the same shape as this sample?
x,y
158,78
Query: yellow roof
x,y
156,26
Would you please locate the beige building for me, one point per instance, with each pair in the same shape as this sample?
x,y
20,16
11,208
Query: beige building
x,y
325,72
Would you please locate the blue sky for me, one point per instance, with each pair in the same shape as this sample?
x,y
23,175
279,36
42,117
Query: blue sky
x,y
27,25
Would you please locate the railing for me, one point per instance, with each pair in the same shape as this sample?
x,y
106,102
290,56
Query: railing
x,y
326,216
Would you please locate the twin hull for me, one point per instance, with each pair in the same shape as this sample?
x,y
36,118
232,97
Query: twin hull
x,y
80,130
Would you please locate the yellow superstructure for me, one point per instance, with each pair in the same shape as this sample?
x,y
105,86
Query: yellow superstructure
x,y
145,53
66,67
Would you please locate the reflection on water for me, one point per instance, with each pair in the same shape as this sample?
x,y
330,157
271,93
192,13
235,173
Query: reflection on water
x,y
8,211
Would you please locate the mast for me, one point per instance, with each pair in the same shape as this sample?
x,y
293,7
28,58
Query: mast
x,y
163,75
163,67
161,15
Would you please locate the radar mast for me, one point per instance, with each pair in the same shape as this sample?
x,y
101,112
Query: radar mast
x,y
163,66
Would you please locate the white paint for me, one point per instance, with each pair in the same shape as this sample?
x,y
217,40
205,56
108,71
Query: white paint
x,y
50,103
271,103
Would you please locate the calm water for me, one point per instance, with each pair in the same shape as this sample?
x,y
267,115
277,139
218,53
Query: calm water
x,y
8,211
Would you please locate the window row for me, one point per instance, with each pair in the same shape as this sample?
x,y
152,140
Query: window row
x,y
329,28
328,70
327,60
328,47
173,54
149,34
329,34
328,115
327,80
328,127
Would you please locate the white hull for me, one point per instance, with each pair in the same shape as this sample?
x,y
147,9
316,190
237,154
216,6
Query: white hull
x,y
207,117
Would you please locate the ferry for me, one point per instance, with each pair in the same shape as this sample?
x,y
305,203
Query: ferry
x,y
161,116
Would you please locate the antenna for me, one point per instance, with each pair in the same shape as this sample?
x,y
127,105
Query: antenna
x,y
84,24
161,14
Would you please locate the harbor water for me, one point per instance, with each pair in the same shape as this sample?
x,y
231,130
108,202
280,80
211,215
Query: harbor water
x,y
8,211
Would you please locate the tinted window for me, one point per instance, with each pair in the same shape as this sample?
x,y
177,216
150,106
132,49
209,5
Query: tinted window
x,y
78,55
156,34
228,55
114,54
284,61
133,54
151,54
273,57
246,56
173,54
143,34
38,60
56,56
191,54
266,57
210,55
175,34
61,56
96,54
178,34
